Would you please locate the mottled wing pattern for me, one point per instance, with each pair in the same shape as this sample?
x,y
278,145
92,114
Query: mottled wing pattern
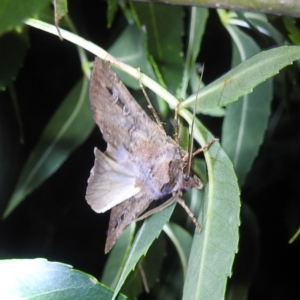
x,y
124,214
135,168
116,180
115,111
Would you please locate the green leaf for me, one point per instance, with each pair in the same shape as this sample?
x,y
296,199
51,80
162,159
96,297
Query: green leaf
x,y
117,257
111,11
213,249
69,127
246,121
196,85
40,279
294,32
149,231
129,48
182,240
60,11
183,133
198,18
12,13
260,21
242,79
148,270
164,28
295,236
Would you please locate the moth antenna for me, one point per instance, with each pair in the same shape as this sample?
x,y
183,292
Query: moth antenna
x,y
205,147
191,142
150,106
189,212
156,209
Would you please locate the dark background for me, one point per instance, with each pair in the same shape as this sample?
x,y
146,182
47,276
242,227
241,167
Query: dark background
x,y
55,221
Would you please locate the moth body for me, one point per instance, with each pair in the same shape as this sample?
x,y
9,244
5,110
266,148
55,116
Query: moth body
x,y
141,163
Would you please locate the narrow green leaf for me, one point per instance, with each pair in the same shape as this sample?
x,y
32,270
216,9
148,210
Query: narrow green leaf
x,y
41,279
147,271
196,85
294,32
214,248
164,28
260,21
117,258
242,79
149,231
60,11
182,240
246,121
111,11
295,236
129,48
68,128
198,18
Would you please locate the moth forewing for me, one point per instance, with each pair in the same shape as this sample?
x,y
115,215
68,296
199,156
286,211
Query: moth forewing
x,y
123,215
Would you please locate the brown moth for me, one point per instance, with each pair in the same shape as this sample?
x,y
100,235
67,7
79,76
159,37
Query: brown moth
x,y
141,163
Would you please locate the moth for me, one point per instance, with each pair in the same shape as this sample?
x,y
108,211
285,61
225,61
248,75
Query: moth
x,y
141,163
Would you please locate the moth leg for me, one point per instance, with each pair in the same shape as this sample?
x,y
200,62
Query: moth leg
x,y
157,209
202,149
150,106
205,147
180,201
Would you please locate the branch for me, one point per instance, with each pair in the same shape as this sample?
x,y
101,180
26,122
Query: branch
x,y
276,7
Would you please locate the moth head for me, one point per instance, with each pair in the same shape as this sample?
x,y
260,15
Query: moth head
x,y
191,181
181,181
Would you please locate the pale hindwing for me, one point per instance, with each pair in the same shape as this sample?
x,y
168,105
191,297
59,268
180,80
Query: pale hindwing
x,y
110,183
